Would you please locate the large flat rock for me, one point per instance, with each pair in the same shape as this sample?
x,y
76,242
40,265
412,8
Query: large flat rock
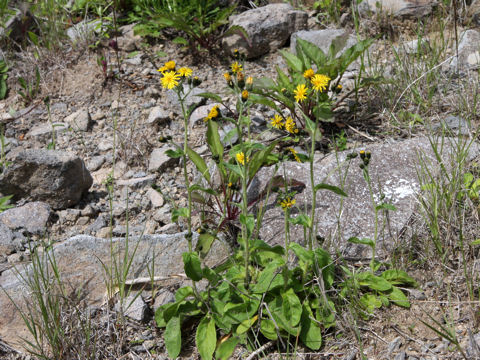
x,y
393,169
80,259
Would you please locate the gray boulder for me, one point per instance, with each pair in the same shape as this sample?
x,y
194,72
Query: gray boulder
x,y
191,98
393,169
80,270
56,177
79,120
31,217
399,8
268,27
324,39
468,50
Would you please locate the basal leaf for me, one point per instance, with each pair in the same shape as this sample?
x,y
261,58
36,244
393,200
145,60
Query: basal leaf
x,y
310,333
206,338
226,348
397,297
173,337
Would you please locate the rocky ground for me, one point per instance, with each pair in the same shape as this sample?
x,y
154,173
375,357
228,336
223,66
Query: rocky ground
x,y
98,182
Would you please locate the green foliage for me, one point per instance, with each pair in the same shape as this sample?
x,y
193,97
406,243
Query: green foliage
x,y
30,88
4,203
3,79
227,305
198,23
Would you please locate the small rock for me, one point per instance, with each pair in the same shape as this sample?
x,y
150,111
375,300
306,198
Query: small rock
x,y
105,145
6,240
79,120
134,307
104,233
43,132
95,163
164,297
228,134
159,161
417,294
137,183
99,115
83,220
33,217
15,258
155,198
171,228
158,116
468,50
152,92
99,223
394,345
400,356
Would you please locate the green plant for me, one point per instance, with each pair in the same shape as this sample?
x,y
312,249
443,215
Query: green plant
x,y
3,79
4,203
30,89
200,24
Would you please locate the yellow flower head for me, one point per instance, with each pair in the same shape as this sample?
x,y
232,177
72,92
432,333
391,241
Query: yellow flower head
x,y
308,73
290,126
300,93
287,203
236,67
245,95
213,114
241,158
185,71
249,81
168,66
295,154
170,79
320,82
227,76
277,121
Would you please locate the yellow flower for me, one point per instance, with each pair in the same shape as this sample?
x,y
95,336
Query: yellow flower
x,y
227,76
290,126
249,81
308,73
287,203
245,95
170,79
169,65
300,93
236,67
295,154
320,82
277,121
213,114
241,158
185,71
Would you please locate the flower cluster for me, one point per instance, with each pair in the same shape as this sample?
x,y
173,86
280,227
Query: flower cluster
x,y
365,156
318,82
289,124
236,78
287,203
172,77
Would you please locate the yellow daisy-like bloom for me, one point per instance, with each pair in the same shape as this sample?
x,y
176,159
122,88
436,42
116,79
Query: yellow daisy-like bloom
x,y
320,82
168,66
245,95
185,71
287,203
300,93
308,74
290,126
170,79
249,81
227,76
236,67
277,122
295,154
241,158
213,114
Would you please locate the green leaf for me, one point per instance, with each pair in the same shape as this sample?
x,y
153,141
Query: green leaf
x,y
197,187
259,159
246,325
204,244
173,337
199,163
303,254
249,222
212,96
313,52
237,313
206,338
192,266
226,348
324,262
371,302
364,241
180,40
270,278
292,61
183,293
385,206
292,307
397,297
398,277
335,189
475,242
301,219
310,333
3,89
267,328
174,153
176,213
213,139
33,37
374,282
237,169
